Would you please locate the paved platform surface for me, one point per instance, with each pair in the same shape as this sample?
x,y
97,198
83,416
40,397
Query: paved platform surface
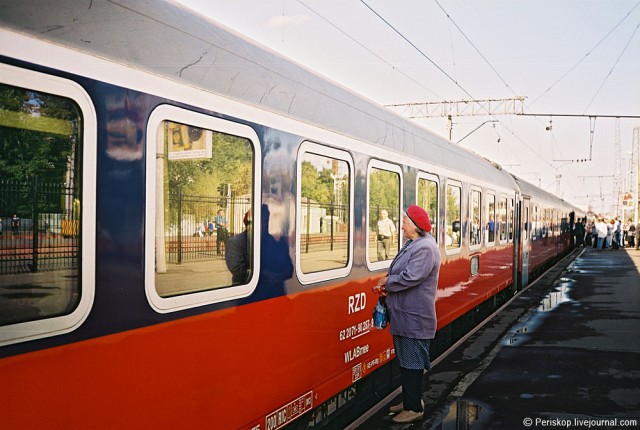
x,y
565,353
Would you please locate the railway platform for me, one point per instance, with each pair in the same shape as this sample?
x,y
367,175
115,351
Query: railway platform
x,y
564,353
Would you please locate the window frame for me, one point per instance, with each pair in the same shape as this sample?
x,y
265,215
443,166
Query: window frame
x,y
57,86
155,154
337,154
393,168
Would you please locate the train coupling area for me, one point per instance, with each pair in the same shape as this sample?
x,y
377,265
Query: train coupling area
x,y
563,353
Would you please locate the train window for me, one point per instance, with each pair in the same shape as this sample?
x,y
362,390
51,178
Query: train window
x,y
511,220
324,223
535,231
47,199
475,219
490,233
502,216
202,218
525,219
383,215
427,199
453,233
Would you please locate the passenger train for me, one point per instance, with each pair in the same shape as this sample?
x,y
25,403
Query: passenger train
x,y
197,226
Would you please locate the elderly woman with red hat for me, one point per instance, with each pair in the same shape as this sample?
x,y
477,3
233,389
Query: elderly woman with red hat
x,y
410,290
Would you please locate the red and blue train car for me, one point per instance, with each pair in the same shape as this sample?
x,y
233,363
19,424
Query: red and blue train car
x,y
198,234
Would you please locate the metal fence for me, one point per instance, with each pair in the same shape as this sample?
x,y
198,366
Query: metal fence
x,y
188,232
39,232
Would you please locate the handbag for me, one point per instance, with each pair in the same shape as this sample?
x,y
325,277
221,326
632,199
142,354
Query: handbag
x,y
380,314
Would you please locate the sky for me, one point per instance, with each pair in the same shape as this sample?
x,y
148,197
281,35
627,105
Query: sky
x,y
566,57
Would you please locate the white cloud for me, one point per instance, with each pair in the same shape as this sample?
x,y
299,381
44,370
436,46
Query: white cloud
x,y
284,21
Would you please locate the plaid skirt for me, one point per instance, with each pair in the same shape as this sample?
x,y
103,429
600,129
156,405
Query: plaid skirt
x,y
412,353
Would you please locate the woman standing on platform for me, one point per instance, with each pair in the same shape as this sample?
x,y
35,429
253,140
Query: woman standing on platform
x,y
410,288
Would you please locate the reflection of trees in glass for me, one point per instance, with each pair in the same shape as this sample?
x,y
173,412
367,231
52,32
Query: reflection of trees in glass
x,y
231,163
326,181
384,193
428,200
453,203
38,134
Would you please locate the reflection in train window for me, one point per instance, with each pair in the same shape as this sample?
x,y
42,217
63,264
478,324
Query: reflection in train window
x,y
491,223
511,220
39,186
384,214
475,219
47,201
428,200
453,236
324,213
204,229
502,216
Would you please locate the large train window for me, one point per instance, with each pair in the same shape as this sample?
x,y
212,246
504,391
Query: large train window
x,y
475,218
453,232
47,204
427,198
502,216
324,222
384,213
202,217
490,232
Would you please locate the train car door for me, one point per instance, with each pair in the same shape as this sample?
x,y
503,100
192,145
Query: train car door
x,y
526,240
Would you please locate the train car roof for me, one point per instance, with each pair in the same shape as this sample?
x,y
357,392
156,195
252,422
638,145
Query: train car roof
x,y
170,40
529,190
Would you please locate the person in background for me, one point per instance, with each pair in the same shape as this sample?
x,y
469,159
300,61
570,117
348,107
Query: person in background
x,y
237,255
386,231
410,290
579,233
221,231
601,229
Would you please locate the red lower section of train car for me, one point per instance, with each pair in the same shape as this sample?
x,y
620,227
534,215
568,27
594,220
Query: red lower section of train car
x,y
255,366
459,291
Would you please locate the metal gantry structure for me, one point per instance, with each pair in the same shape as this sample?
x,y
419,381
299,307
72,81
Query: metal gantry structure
x,y
450,108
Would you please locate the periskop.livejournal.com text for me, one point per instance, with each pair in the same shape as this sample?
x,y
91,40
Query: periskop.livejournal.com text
x,y
590,423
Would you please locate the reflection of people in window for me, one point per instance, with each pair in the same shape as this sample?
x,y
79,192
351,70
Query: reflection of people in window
x,y
490,228
455,227
386,231
475,231
237,254
176,137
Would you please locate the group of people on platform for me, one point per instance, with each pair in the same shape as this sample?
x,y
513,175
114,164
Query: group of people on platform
x,y
604,233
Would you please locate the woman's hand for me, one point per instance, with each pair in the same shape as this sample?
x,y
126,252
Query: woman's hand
x,y
381,287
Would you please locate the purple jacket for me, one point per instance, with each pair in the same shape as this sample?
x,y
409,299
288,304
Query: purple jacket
x,y
412,284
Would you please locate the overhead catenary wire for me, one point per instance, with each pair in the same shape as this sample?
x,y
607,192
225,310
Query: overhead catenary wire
x,y
613,67
363,46
585,55
437,66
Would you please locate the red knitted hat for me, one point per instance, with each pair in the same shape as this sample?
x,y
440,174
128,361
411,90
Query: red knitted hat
x,y
419,217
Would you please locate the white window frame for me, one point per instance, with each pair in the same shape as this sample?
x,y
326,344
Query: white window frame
x,y
155,154
57,325
394,168
337,154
